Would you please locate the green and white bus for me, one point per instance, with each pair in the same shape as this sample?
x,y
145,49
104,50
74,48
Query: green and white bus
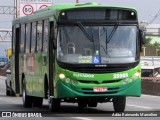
x,y
81,53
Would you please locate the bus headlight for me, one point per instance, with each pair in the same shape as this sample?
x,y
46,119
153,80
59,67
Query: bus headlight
x,y
137,74
67,80
61,76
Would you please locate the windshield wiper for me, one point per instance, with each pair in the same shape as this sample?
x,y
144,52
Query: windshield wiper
x,y
85,32
112,32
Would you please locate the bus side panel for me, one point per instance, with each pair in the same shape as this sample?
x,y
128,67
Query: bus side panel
x,y
34,75
21,70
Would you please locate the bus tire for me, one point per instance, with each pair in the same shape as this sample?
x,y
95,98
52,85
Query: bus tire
x,y
27,100
37,102
119,104
54,104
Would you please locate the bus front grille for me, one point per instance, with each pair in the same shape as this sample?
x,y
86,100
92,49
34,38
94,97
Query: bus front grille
x,y
100,70
97,82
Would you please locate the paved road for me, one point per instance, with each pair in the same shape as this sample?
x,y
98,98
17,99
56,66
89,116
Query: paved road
x,y
151,104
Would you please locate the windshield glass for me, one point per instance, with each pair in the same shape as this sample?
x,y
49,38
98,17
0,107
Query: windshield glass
x,y
97,44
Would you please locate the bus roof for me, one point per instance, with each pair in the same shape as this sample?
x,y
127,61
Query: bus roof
x,y
55,9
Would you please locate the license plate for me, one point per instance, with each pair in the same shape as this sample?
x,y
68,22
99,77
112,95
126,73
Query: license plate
x,y
100,89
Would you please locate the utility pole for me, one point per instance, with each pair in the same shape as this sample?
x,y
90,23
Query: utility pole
x,y
16,8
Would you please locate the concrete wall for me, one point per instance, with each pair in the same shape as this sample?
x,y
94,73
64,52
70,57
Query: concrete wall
x,y
3,70
151,85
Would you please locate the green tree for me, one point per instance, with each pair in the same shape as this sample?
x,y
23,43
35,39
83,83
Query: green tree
x,y
148,41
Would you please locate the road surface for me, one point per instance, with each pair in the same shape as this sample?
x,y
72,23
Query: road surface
x,y
143,104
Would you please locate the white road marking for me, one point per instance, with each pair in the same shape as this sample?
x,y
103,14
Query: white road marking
x,y
81,118
139,106
150,96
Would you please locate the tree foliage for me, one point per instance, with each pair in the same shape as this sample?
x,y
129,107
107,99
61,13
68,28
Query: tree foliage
x,y
155,44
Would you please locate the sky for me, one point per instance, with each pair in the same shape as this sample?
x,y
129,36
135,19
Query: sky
x,y
147,10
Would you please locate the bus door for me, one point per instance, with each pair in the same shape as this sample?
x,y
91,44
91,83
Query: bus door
x,y
15,59
51,65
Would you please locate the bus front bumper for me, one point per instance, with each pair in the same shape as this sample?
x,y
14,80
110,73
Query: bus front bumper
x,y
65,90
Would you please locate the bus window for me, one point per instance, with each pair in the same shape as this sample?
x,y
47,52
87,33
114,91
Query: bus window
x,y
45,36
28,31
22,42
33,39
39,36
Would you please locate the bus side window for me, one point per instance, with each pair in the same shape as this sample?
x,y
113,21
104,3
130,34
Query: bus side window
x,y
28,36
22,41
33,37
39,36
45,36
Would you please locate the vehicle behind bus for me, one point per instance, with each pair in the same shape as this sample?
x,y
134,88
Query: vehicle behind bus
x,y
3,61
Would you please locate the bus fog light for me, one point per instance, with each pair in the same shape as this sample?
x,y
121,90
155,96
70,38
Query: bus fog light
x,y
61,76
67,80
75,82
131,79
125,81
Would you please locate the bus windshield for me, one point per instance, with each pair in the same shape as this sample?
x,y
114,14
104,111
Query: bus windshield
x,y
97,44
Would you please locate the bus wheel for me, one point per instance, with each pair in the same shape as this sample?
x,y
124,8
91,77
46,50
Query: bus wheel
x,y
27,100
119,104
37,101
54,104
